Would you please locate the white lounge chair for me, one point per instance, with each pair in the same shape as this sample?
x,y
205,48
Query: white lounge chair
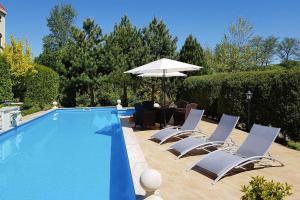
x,y
189,126
217,138
252,150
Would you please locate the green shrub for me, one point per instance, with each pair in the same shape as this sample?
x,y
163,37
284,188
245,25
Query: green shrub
x,y
294,145
261,189
42,87
5,81
290,63
275,101
205,90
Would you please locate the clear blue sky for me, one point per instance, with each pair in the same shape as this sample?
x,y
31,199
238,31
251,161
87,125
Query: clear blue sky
x,y
207,20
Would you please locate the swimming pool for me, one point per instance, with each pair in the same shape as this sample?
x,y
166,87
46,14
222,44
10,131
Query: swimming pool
x,y
126,112
76,154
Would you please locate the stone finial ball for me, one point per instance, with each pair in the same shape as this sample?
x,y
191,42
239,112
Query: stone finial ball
x,y
150,180
156,105
54,103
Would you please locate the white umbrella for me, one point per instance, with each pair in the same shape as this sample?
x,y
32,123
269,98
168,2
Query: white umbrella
x,y
164,65
171,74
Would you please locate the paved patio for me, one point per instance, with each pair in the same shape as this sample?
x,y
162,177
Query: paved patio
x,y
179,184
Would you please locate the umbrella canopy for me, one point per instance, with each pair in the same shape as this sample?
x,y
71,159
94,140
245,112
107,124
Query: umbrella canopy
x,y
171,74
164,65
163,68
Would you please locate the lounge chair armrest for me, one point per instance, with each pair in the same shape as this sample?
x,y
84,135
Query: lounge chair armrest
x,y
194,132
202,136
230,149
231,143
199,133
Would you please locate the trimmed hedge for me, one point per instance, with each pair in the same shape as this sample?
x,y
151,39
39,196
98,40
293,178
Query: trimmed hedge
x,y
5,81
275,101
41,87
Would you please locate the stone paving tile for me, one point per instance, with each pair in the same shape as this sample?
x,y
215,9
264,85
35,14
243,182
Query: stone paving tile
x,y
177,184
136,157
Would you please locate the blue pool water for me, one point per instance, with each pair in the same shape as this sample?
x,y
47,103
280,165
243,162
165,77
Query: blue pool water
x,y
72,154
126,112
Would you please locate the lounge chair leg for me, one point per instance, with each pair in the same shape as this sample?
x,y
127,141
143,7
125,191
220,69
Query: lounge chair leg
x,y
192,165
167,149
163,140
275,160
178,157
221,175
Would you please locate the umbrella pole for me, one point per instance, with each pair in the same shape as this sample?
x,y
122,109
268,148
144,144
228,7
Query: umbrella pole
x,y
164,96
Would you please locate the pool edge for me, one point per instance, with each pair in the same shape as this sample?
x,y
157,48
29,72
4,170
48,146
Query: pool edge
x,y
135,155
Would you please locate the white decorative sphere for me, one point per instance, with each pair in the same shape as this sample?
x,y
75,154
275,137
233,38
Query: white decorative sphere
x,y
156,105
119,101
150,180
54,103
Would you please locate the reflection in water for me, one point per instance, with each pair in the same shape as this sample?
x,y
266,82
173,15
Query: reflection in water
x,y
55,116
10,146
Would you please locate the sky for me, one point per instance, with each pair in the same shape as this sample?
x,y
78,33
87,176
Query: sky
x,y
206,20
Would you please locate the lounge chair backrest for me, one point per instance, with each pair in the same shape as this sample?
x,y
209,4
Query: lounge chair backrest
x,y
258,141
188,109
224,128
192,120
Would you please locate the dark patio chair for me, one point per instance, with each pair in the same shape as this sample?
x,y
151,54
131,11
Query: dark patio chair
x,y
181,114
144,117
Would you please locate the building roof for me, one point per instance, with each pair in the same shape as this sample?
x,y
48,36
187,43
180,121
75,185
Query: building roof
x,y
2,9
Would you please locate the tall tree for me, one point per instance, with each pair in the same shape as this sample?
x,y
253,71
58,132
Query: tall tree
x,y
288,48
268,50
19,58
158,43
234,52
123,51
256,44
192,52
85,58
59,22
240,33
210,60
263,49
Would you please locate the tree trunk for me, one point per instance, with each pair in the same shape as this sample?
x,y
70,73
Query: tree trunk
x,y
125,98
92,97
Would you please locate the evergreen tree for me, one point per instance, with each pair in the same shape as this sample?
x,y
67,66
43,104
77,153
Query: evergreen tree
x,y
85,61
158,43
123,51
192,53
